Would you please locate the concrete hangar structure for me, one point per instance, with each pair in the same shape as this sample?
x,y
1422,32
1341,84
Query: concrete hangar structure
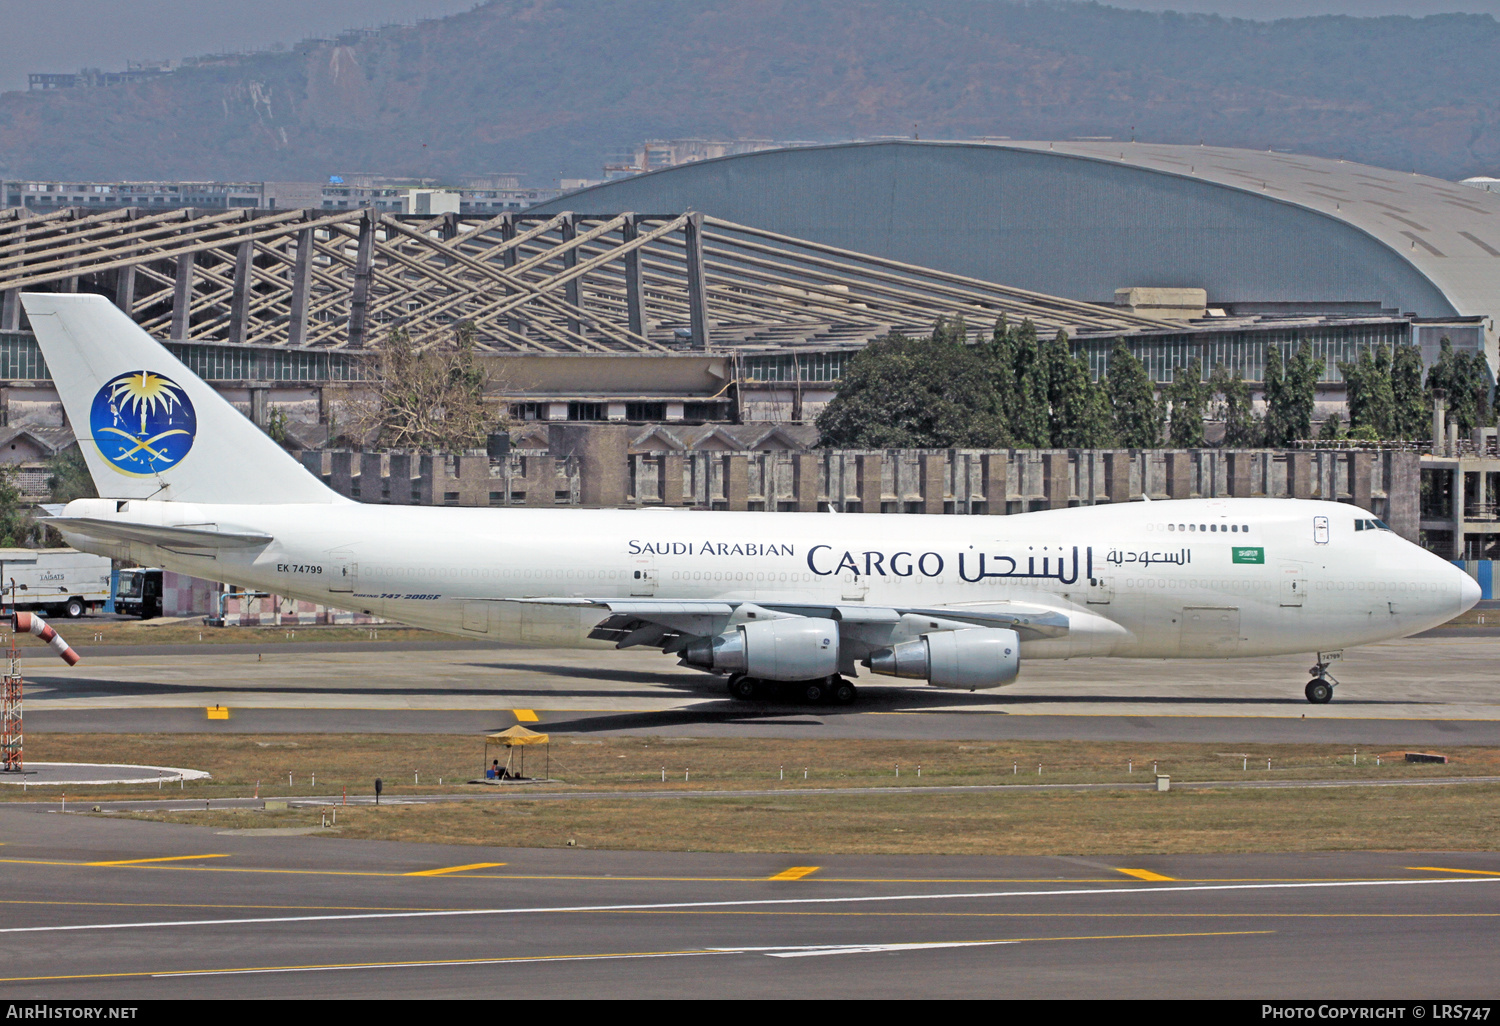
x,y
1285,247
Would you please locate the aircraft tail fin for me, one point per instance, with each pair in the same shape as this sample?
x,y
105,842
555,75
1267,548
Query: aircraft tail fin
x,y
150,428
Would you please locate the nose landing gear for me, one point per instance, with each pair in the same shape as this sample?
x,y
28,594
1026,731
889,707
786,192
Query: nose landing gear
x,y
1319,690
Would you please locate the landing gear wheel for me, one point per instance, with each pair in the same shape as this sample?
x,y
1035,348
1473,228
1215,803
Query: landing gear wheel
x,y
1319,691
742,688
844,693
814,691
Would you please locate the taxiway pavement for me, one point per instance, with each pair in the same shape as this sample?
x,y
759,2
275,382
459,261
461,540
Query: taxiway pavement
x,y
1428,690
103,907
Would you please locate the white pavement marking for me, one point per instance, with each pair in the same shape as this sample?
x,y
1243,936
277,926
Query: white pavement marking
x,y
815,951
755,902
782,951
53,774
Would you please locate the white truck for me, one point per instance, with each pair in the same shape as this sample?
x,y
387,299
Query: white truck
x,y
54,582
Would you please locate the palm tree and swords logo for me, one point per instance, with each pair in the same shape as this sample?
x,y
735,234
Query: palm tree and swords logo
x,y
143,422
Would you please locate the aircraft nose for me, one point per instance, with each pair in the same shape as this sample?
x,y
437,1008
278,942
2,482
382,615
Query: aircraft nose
x,y
1468,592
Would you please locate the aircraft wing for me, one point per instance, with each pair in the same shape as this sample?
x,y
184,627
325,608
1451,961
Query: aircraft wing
x,y
191,539
672,623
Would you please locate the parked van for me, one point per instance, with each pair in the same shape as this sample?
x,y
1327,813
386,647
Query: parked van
x,y
54,582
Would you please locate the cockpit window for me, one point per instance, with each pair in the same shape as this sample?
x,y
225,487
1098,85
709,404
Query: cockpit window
x,y
1371,525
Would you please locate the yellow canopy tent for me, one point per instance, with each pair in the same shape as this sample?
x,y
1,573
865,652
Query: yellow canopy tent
x,y
511,739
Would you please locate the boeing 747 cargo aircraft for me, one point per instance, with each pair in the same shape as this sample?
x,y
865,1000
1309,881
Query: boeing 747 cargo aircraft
x,y
788,600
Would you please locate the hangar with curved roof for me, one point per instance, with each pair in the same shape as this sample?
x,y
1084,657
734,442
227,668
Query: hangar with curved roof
x,y
1261,232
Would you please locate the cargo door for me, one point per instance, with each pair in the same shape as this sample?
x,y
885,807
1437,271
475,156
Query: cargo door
x,y
1293,588
1101,591
853,587
343,572
1210,630
477,617
643,575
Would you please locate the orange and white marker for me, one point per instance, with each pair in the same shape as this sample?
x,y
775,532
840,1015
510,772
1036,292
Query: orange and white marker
x,y
30,623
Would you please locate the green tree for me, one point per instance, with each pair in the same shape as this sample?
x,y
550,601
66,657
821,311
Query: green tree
x,y
68,476
999,358
1235,406
1371,394
954,331
1137,415
1098,429
900,392
1482,381
1466,378
17,528
1291,393
1030,422
1303,371
1273,382
1189,397
430,396
1413,414
1080,410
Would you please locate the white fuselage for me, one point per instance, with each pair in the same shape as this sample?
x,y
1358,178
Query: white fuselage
x,y
1190,578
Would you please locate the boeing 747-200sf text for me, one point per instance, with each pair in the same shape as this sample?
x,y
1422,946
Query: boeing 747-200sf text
x,y
190,484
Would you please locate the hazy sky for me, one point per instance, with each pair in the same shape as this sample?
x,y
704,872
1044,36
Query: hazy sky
x,y
65,35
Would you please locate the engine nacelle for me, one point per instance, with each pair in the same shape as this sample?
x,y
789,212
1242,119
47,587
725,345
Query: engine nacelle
x,y
979,657
800,648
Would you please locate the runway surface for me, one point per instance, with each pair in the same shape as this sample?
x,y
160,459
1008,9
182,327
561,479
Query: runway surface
x,y
100,907
1429,690
524,794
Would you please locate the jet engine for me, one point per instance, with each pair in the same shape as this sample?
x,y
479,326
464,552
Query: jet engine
x,y
979,657
800,648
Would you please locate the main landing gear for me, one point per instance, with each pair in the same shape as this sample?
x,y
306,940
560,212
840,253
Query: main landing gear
x,y
1319,690
834,690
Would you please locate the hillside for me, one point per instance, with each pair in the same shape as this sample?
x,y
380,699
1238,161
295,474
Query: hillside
x,y
547,87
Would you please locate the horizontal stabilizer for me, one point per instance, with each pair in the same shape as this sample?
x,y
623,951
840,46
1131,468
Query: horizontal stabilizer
x,y
203,538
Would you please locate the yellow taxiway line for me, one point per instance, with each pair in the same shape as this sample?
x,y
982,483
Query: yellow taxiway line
x,y
581,878
1440,869
141,862
1147,875
454,869
794,873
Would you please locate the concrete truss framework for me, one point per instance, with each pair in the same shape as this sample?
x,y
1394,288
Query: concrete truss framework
x,y
564,282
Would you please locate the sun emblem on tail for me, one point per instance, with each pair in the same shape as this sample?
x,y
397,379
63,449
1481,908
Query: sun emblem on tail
x,y
143,423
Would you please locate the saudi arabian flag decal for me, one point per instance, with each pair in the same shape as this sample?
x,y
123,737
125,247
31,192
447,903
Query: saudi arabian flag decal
x,y
1245,555
143,423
